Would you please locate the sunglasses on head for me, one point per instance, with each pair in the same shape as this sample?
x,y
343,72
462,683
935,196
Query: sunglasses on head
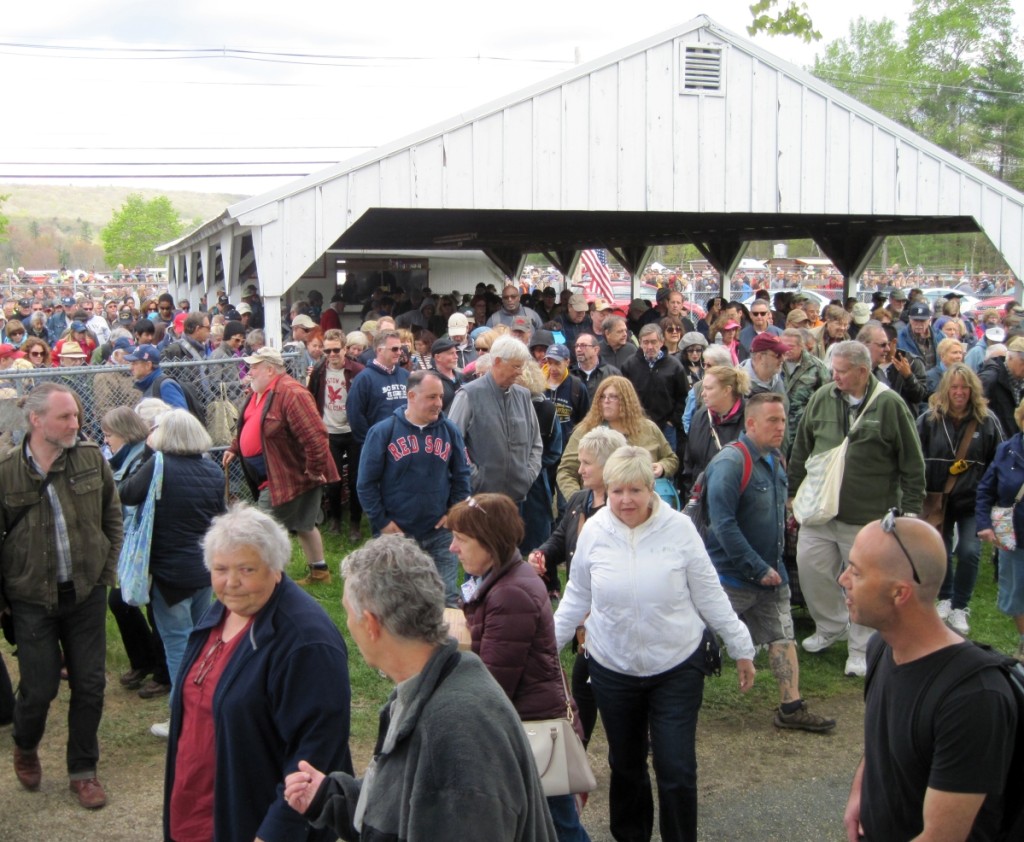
x,y
889,528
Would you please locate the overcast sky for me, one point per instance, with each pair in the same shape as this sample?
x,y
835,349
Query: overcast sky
x,y
342,77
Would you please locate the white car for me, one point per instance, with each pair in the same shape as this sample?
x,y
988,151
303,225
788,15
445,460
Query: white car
x,y
822,300
934,294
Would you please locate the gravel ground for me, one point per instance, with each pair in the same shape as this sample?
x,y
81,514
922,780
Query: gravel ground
x,y
755,782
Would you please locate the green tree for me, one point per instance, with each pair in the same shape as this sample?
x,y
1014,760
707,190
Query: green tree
x,y
138,228
3,219
791,19
1000,110
871,66
33,229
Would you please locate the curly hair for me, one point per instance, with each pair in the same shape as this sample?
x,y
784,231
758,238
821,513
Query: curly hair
x,y
631,413
938,403
34,342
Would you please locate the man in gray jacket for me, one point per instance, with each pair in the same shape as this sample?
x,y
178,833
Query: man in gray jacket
x,y
498,422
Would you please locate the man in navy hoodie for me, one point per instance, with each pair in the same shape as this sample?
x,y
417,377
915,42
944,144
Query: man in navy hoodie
x,y
379,389
412,469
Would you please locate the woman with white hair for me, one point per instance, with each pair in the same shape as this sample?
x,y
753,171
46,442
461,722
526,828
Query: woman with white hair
x,y
193,494
263,685
643,586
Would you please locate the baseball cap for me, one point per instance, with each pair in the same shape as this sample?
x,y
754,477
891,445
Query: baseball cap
x,y
799,296
730,325
68,301
266,354
768,342
244,308
458,325
543,338
144,353
919,311
522,324
861,313
78,326
1016,344
578,302
599,304
303,321
122,344
897,294
557,352
337,297
442,345
24,302
8,351
950,295
796,318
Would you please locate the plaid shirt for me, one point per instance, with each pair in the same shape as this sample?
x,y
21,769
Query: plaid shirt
x,y
62,541
295,442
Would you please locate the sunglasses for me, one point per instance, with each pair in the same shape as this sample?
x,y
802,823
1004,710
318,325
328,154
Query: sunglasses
x,y
889,528
334,351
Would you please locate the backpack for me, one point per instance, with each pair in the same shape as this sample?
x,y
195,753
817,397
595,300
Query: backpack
x,y
940,684
195,405
696,508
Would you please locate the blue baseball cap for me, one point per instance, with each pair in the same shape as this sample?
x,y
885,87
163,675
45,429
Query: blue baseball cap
x,y
144,353
122,344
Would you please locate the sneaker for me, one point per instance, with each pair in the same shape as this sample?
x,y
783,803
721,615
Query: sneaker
x,y
803,720
856,665
957,620
316,576
161,729
944,606
90,793
819,642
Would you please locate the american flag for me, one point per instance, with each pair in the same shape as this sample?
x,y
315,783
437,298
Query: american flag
x,y
594,263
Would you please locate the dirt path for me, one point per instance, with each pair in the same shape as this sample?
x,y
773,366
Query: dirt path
x,y
755,782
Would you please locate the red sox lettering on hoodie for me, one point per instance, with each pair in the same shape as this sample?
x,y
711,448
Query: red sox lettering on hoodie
x,y
410,445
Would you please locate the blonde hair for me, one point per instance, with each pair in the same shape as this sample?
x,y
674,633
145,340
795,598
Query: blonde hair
x,y
532,377
939,402
629,464
732,377
631,413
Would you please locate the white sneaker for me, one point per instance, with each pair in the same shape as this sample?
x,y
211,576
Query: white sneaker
x,y
161,730
957,620
856,665
944,606
819,642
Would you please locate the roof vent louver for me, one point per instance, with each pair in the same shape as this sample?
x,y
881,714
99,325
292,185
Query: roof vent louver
x,y
702,68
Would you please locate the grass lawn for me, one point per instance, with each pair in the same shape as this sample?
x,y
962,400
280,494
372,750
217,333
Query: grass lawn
x,y
821,674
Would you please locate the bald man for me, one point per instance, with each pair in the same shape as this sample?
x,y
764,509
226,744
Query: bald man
x,y
948,784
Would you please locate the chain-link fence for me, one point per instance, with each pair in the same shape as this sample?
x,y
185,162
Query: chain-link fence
x,y
217,388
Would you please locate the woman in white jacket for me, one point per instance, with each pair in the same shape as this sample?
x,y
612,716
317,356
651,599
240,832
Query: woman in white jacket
x,y
642,573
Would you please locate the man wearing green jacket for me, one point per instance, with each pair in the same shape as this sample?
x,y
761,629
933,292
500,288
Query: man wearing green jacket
x,y
884,470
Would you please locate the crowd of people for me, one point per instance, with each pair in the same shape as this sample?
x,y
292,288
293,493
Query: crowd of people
x,y
544,446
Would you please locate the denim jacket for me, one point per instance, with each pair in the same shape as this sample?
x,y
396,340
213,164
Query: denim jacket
x,y
746,531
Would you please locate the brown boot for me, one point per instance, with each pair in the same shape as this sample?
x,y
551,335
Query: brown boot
x,y
316,576
90,793
27,768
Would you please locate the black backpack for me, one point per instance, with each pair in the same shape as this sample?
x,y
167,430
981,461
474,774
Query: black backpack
x,y
939,685
696,508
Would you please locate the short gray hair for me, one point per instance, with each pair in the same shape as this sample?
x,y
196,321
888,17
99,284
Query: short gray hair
x,y
602,442
125,422
246,526
716,355
38,400
629,464
392,578
648,329
179,432
854,352
510,349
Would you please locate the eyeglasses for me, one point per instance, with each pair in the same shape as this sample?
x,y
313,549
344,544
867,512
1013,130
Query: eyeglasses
x,y
483,348
209,660
615,398
509,297
334,351
473,504
758,312
14,333
585,345
673,330
35,353
889,528
394,349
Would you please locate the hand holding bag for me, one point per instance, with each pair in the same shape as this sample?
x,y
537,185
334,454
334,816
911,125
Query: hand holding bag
x,y
817,498
1002,523
133,563
559,754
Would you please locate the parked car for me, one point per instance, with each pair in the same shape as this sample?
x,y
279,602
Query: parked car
x,y
934,294
648,292
822,299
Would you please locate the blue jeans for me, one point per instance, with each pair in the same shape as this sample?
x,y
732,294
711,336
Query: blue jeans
x,y
670,436
436,545
566,819
175,624
666,706
958,586
80,630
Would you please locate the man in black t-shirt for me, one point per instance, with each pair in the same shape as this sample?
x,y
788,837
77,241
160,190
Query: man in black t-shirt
x,y
916,777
